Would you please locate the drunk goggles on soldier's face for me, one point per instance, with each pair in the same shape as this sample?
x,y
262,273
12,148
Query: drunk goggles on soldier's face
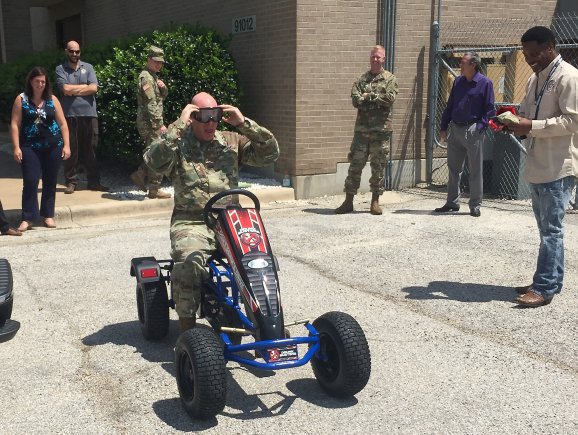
x,y
207,114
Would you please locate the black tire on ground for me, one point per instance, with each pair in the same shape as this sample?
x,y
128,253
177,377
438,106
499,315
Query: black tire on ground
x,y
153,309
347,366
8,329
6,283
201,373
6,310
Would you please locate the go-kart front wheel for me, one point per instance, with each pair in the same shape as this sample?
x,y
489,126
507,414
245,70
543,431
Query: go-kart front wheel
x,y
343,364
153,309
201,372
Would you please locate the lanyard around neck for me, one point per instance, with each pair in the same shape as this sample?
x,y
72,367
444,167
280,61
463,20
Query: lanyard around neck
x,y
538,97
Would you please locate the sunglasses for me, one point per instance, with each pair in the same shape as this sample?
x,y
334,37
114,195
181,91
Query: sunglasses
x,y
207,114
73,51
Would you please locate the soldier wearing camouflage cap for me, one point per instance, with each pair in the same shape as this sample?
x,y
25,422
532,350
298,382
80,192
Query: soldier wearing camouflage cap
x,y
373,95
151,91
201,161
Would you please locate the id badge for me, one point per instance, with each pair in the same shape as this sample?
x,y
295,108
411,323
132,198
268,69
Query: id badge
x,y
533,108
529,142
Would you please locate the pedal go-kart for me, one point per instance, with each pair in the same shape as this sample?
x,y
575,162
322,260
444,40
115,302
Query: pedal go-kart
x,y
241,298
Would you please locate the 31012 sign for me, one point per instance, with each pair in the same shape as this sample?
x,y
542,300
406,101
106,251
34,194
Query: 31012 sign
x,y
245,24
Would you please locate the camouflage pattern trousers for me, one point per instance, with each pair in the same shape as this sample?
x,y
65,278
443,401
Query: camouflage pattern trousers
x,y
364,145
154,178
192,243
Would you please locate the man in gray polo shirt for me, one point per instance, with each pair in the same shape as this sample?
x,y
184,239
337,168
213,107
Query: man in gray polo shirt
x,y
78,85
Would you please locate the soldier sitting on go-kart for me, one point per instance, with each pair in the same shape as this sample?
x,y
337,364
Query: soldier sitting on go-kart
x,y
201,161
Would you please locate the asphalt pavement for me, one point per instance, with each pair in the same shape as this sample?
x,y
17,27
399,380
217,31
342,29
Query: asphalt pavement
x,y
451,352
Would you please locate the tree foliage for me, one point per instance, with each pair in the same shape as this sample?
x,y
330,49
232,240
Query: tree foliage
x,y
197,59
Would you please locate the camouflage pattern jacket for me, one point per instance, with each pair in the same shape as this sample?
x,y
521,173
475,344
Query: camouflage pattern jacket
x,y
373,112
198,170
149,115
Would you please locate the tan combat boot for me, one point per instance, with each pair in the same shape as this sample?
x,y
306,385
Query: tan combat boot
x,y
159,194
347,206
186,323
138,178
375,208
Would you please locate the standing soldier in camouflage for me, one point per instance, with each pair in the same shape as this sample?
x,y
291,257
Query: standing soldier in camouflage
x,y
151,91
373,95
202,161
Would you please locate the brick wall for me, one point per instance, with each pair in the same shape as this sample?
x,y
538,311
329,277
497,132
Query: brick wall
x,y
333,45
334,39
297,69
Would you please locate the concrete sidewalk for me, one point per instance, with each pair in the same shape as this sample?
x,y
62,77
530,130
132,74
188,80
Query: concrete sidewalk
x,y
85,205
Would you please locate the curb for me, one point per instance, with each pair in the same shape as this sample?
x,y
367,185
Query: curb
x,y
66,216
78,214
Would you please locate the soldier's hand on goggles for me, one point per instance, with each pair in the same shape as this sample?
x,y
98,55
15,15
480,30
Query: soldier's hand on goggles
x,y
187,113
233,115
206,114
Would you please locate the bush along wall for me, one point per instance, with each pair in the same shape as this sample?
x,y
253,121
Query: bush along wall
x,y
197,59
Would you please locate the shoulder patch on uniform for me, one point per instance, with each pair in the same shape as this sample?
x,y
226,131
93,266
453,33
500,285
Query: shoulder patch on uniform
x,y
145,86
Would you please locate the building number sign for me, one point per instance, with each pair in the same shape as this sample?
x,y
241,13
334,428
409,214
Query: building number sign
x,y
245,24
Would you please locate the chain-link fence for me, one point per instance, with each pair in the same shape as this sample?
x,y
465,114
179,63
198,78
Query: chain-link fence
x,y
498,44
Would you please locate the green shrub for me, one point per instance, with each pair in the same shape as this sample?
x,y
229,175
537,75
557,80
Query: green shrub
x,y
196,60
13,75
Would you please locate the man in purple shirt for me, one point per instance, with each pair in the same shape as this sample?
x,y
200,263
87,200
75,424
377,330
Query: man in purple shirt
x,y
470,105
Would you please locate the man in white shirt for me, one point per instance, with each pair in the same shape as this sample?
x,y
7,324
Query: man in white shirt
x,y
549,120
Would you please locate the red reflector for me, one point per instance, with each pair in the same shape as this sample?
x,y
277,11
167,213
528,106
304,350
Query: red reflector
x,y
149,273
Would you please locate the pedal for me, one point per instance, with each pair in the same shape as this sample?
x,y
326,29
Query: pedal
x,y
297,322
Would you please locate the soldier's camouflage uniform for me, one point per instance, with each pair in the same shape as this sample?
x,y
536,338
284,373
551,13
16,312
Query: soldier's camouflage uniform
x,y
149,117
372,132
198,170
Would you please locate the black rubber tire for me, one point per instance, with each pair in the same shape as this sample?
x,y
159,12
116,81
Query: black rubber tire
x,y
201,373
6,283
6,310
153,309
8,329
348,365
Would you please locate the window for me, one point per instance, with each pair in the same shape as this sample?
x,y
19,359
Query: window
x,y
67,29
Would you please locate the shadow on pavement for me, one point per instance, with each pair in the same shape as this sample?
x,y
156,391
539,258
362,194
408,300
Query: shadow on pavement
x,y
461,292
249,406
129,334
174,415
310,391
430,212
123,196
328,211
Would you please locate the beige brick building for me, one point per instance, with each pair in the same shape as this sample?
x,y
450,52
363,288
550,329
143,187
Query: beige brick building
x,y
296,66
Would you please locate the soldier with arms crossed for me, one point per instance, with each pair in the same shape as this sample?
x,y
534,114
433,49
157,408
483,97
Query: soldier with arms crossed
x,y
373,95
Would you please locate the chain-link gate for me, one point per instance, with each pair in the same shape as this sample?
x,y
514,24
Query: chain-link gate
x,y
497,42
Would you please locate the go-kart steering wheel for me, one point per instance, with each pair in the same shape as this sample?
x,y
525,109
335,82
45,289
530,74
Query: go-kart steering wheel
x,y
209,209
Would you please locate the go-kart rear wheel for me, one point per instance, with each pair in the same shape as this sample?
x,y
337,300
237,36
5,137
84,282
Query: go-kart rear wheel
x,y
201,372
343,364
153,309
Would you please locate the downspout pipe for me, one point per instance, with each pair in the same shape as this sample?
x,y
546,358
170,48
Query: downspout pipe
x,y
389,8
432,89
432,96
